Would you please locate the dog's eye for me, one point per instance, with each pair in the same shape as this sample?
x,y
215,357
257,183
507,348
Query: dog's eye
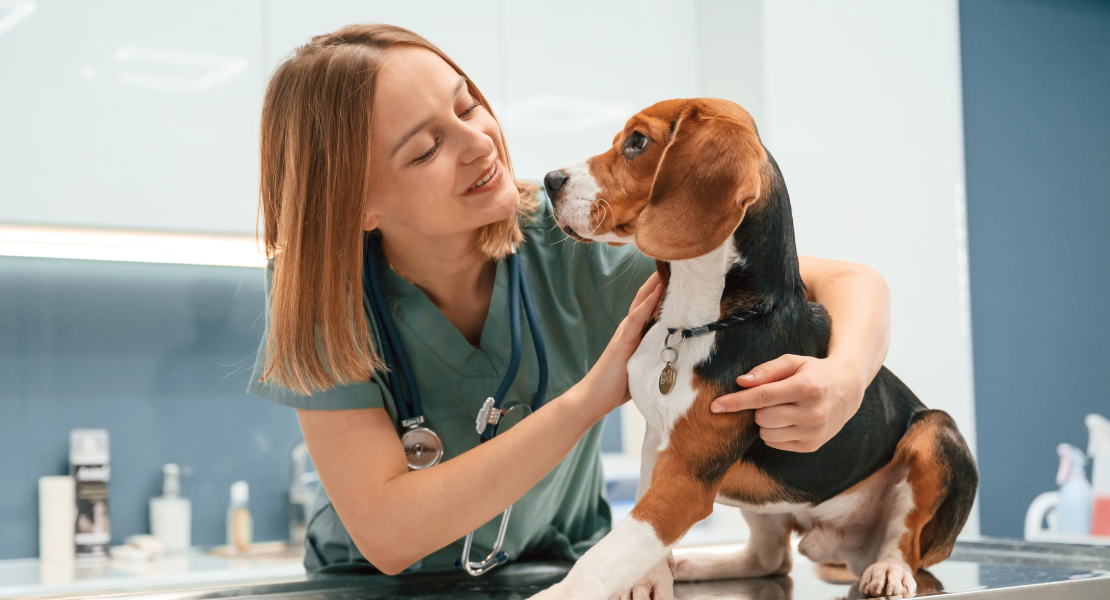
x,y
635,144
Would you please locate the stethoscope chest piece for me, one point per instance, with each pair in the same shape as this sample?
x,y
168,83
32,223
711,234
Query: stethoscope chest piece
x,y
423,448
513,416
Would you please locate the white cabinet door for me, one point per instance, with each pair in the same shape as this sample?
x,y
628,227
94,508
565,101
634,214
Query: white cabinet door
x,y
128,113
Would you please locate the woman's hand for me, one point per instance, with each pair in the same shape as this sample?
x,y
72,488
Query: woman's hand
x,y
800,402
605,387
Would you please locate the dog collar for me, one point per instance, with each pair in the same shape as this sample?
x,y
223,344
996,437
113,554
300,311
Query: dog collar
x,y
669,354
721,324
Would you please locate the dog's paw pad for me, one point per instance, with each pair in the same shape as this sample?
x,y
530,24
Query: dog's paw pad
x,y
887,579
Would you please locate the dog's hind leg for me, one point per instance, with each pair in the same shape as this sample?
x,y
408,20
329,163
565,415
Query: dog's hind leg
x,y
766,553
927,509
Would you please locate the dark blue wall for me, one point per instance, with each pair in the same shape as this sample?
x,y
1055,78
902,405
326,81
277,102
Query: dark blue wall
x,y
1036,82
160,356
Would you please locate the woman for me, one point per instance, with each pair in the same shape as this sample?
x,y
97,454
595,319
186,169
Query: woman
x,y
371,130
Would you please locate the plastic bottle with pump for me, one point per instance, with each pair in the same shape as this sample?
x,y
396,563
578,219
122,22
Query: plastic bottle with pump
x,y
1098,427
170,514
1073,507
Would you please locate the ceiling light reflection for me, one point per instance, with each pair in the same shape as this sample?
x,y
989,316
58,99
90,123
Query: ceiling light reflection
x,y
14,12
130,246
219,69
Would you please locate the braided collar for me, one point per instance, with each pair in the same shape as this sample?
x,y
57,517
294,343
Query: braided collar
x,y
759,310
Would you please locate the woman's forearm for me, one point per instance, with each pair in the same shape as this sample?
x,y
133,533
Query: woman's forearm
x,y
858,302
396,517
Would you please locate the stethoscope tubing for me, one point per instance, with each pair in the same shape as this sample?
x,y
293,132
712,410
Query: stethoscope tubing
x,y
407,396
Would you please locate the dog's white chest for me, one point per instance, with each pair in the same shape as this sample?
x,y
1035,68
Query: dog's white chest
x,y
644,368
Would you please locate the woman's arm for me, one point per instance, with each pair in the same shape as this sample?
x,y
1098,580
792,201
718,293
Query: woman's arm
x,y
801,402
396,517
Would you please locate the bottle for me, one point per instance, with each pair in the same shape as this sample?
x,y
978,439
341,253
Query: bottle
x,y
57,514
1098,428
88,464
1073,509
239,519
170,514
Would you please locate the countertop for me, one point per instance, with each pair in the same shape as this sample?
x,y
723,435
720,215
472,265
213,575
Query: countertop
x,y
999,569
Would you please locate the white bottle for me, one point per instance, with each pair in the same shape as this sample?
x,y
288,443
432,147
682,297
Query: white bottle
x,y
171,516
1073,509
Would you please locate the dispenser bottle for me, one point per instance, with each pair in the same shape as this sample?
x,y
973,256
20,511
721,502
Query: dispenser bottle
x,y
1073,510
1098,427
239,519
170,514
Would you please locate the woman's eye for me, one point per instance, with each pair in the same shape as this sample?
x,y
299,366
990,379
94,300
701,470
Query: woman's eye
x,y
635,144
429,154
470,109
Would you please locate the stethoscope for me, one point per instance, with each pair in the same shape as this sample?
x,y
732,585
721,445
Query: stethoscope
x,y
423,448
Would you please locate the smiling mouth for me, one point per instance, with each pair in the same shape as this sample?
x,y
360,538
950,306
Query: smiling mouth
x,y
485,178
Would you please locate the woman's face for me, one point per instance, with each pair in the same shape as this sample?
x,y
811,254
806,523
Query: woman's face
x,y
437,165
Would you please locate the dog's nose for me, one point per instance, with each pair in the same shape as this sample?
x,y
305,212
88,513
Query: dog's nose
x,y
553,182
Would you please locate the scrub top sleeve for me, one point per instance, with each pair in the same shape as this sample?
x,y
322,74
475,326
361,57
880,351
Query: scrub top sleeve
x,y
362,394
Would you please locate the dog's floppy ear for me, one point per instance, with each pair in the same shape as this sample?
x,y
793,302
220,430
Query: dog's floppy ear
x,y
708,176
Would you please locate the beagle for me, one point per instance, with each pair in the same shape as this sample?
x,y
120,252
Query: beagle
x,y
690,184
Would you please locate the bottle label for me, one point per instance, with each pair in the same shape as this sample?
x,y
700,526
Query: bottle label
x,y
92,533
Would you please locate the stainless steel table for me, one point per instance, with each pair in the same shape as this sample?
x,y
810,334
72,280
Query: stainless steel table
x,y
987,569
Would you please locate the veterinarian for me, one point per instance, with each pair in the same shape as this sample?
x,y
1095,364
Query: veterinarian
x,y
372,131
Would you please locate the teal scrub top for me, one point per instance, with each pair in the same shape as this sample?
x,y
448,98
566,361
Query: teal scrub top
x,y
581,293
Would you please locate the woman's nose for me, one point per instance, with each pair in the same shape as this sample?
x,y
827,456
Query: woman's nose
x,y
479,144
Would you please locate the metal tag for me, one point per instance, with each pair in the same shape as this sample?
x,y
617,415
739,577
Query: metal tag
x,y
666,380
423,448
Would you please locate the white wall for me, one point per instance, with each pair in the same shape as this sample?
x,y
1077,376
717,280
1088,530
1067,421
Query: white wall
x,y
860,103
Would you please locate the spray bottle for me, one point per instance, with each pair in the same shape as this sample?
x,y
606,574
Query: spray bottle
x,y
1073,510
1098,427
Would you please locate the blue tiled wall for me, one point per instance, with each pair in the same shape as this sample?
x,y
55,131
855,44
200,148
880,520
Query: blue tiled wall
x,y
160,356
1036,82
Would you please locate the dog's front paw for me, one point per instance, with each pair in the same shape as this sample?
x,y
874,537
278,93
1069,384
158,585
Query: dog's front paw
x,y
658,584
887,579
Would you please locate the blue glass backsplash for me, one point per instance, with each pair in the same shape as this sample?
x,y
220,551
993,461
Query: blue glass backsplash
x,y
160,355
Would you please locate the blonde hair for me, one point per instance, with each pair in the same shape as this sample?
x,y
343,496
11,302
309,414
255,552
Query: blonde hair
x,y
314,148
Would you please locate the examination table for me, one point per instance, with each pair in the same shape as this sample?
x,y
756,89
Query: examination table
x,y
987,569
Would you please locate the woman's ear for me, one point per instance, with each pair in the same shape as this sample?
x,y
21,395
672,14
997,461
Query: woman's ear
x,y
707,178
369,221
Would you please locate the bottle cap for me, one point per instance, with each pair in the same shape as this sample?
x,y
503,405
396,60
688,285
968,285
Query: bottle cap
x,y
240,492
88,446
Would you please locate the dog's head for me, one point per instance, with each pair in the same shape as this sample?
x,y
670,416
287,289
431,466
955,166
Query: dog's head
x,y
677,182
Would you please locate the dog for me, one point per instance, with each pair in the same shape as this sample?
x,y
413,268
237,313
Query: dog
x,y
690,183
